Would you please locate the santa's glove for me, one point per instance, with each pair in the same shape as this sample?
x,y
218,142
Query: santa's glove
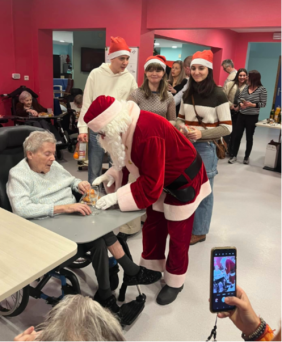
x,y
107,201
104,178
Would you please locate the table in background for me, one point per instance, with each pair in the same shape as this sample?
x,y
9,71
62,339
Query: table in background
x,y
28,251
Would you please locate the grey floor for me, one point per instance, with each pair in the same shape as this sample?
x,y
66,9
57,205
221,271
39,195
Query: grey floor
x,y
246,215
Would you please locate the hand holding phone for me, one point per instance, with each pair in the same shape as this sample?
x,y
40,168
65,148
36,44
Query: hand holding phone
x,y
222,278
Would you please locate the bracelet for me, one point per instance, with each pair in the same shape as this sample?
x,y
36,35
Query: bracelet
x,y
257,333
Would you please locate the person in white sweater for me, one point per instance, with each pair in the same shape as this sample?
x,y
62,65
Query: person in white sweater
x,y
39,186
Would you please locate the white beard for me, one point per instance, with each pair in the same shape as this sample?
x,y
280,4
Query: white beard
x,y
112,142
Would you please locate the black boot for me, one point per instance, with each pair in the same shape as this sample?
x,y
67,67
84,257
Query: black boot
x,y
143,277
109,303
168,294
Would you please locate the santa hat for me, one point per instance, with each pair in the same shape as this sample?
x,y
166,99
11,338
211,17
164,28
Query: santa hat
x,y
156,59
118,48
101,112
204,58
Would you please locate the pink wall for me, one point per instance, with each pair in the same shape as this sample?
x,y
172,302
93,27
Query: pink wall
x,y
187,14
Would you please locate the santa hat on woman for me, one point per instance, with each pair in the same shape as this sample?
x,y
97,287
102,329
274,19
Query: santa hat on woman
x,y
204,58
118,48
161,60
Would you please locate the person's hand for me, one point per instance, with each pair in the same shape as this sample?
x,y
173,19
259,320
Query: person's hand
x,y
107,201
28,335
83,137
232,107
83,187
242,106
83,209
171,89
248,104
104,178
196,134
32,112
243,316
236,108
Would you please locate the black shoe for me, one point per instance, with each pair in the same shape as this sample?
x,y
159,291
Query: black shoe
x,y
143,277
168,294
109,303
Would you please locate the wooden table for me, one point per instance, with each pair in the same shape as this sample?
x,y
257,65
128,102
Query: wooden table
x,y
28,251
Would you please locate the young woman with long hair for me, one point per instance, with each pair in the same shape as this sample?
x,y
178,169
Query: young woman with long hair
x,y
153,95
205,109
252,98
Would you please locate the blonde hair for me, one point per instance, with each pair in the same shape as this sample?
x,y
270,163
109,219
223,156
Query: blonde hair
x,y
181,75
36,139
162,86
79,318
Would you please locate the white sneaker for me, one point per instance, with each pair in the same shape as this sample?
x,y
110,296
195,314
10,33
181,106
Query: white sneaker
x,y
232,160
246,161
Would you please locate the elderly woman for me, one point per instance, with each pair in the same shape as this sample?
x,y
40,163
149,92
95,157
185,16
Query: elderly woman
x,y
28,106
88,321
39,186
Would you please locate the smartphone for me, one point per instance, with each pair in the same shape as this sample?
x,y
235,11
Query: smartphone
x,y
223,277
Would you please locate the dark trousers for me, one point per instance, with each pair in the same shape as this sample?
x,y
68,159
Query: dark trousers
x,y
100,260
234,117
247,122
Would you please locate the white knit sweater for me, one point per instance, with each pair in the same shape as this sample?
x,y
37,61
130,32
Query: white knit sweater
x,y
33,194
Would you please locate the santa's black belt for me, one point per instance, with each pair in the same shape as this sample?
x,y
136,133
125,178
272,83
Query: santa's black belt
x,y
186,194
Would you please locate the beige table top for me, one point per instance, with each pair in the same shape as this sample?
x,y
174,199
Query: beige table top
x,y
264,123
27,251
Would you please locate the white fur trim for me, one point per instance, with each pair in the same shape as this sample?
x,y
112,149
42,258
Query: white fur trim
x,y
183,212
119,53
174,280
203,62
155,60
155,265
106,117
125,199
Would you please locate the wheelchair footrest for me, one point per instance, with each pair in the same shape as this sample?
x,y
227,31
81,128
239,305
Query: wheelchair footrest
x,y
130,311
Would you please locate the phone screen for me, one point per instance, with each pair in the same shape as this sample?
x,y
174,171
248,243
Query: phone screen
x,y
223,278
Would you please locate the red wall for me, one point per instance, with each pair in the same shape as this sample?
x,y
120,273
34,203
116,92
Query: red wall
x,y
26,32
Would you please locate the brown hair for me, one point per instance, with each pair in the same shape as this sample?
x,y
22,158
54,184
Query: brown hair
x,y
181,75
254,78
187,61
162,86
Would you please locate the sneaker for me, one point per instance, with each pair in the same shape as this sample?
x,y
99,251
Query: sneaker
x,y
109,303
232,160
246,161
143,277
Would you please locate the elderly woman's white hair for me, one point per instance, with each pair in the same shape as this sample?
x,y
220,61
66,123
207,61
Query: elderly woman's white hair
x,y
78,318
36,139
24,95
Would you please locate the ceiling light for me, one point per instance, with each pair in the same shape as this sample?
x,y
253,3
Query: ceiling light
x,y
174,47
62,41
157,44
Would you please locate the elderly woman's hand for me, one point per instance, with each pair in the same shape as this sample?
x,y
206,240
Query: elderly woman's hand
x,y
28,335
32,112
83,187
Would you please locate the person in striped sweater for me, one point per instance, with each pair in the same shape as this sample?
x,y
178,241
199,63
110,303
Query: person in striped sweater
x,y
252,98
212,108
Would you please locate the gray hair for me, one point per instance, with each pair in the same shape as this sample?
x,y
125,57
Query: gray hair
x,y
228,62
36,139
24,95
78,318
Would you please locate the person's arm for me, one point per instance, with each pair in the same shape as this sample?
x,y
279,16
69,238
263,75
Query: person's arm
x,y
87,101
171,110
177,97
133,97
262,101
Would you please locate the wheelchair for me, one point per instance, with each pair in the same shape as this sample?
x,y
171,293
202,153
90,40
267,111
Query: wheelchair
x,y
11,152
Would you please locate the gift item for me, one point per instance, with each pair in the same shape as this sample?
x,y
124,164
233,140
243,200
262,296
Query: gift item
x,y
91,197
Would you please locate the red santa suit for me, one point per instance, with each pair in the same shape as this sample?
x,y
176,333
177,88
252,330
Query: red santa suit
x,y
157,154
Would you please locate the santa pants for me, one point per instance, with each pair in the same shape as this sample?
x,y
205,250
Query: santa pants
x,y
155,232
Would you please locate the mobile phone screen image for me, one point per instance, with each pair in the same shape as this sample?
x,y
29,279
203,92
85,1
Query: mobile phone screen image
x,y
223,278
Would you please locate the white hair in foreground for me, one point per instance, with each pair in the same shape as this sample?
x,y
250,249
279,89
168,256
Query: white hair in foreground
x,y
36,139
79,318
112,142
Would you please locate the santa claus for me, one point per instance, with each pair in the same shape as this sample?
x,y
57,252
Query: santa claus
x,y
171,182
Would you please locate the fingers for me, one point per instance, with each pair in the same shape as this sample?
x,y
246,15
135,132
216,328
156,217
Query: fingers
x,y
223,314
83,209
239,303
102,204
111,182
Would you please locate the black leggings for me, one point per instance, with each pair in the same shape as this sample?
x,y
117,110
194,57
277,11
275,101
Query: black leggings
x,y
247,122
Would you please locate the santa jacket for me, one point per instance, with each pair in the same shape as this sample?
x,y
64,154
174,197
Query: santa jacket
x,y
156,154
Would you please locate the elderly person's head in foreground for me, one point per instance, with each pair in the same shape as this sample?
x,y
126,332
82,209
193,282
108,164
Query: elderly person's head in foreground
x,y
40,150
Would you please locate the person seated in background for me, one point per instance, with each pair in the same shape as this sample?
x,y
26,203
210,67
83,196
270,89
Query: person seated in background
x,y
76,105
177,80
75,318
39,186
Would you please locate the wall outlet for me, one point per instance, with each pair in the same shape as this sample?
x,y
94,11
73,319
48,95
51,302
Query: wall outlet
x,y
16,76
26,78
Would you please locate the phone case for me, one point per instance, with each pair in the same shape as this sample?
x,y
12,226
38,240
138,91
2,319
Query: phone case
x,y
211,275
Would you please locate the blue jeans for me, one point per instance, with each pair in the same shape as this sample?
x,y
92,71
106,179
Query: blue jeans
x,y
95,157
203,213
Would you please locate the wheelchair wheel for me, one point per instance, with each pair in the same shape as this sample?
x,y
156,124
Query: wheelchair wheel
x,y
81,262
15,304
